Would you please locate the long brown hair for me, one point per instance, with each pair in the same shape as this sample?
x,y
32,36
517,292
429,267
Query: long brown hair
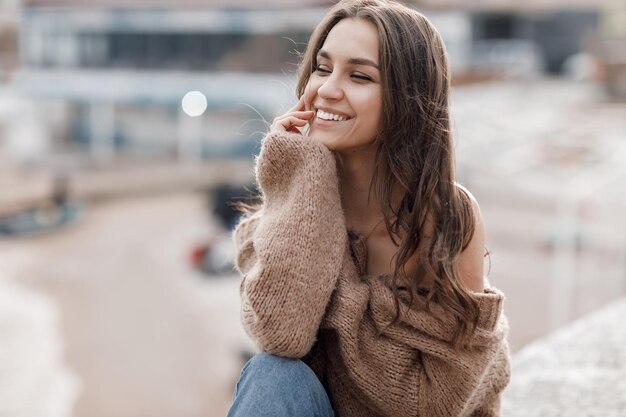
x,y
414,152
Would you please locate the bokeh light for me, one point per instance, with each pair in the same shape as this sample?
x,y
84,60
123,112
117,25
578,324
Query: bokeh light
x,y
194,103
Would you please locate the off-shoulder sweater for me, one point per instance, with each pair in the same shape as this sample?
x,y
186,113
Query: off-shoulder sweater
x,y
305,295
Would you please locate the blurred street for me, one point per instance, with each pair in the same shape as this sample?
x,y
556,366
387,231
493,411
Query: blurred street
x,y
147,335
546,160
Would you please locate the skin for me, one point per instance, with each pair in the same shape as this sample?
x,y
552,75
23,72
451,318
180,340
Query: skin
x,y
346,82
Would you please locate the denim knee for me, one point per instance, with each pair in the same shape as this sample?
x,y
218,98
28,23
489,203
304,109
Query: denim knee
x,y
271,385
278,368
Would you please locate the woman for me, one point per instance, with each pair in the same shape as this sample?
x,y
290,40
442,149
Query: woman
x,y
363,267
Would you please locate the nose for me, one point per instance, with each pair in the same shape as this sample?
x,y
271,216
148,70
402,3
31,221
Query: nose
x,y
330,89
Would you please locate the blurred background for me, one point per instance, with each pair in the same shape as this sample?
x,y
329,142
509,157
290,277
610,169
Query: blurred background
x,y
128,127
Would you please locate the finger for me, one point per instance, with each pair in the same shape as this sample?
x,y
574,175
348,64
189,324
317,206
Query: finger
x,y
297,121
292,121
305,115
299,105
286,123
302,114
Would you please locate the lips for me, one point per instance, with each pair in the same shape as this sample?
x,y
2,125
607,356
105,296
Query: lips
x,y
331,115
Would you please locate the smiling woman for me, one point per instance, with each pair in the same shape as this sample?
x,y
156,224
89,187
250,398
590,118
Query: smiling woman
x,y
362,267
344,89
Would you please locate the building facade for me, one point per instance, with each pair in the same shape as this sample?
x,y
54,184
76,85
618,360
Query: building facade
x,y
109,76
116,72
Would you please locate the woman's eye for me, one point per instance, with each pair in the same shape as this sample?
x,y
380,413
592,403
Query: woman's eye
x,y
362,77
320,68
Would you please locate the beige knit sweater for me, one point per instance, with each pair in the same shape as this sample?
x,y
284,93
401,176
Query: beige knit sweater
x,y
304,297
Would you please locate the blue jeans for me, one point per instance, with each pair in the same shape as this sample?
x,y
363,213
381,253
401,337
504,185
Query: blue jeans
x,y
273,386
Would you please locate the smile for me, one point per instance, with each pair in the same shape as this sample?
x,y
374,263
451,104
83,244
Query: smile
x,y
330,116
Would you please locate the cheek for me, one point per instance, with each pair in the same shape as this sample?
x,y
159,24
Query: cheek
x,y
377,107
378,114
371,106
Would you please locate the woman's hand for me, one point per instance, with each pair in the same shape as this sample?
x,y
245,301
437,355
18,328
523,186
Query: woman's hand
x,y
296,117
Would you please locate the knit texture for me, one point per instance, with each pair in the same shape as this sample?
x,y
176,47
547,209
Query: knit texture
x,y
304,295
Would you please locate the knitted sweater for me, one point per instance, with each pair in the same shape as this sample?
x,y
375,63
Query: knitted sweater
x,y
304,296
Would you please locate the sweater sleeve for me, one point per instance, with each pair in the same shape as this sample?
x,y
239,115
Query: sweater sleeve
x,y
410,367
290,251
471,378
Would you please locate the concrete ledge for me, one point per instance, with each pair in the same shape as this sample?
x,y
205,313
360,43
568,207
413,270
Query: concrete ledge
x,y
580,370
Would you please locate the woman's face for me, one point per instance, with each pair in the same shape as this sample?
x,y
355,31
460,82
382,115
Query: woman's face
x,y
344,89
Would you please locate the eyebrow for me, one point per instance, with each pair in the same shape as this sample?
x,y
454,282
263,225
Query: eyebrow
x,y
353,61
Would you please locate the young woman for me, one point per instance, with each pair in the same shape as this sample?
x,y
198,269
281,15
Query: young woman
x,y
362,268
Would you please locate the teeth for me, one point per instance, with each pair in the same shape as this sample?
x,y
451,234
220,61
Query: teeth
x,y
329,116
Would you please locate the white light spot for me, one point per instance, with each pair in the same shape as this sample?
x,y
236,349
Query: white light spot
x,y
194,103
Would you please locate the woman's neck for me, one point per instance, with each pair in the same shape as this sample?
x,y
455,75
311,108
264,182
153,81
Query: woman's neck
x,y
361,208
355,171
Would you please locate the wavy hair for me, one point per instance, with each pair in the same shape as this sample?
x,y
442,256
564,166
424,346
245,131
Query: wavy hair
x,y
414,153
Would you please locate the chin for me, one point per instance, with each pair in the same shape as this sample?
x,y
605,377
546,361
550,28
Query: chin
x,y
323,137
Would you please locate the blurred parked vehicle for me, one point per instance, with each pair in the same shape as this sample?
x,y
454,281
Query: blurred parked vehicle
x,y
46,217
216,255
52,213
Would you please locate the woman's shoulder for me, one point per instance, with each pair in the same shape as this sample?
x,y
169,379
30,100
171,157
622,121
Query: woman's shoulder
x,y
474,202
471,259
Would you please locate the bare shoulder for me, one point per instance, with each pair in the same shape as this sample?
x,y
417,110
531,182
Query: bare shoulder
x,y
478,217
471,261
469,195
